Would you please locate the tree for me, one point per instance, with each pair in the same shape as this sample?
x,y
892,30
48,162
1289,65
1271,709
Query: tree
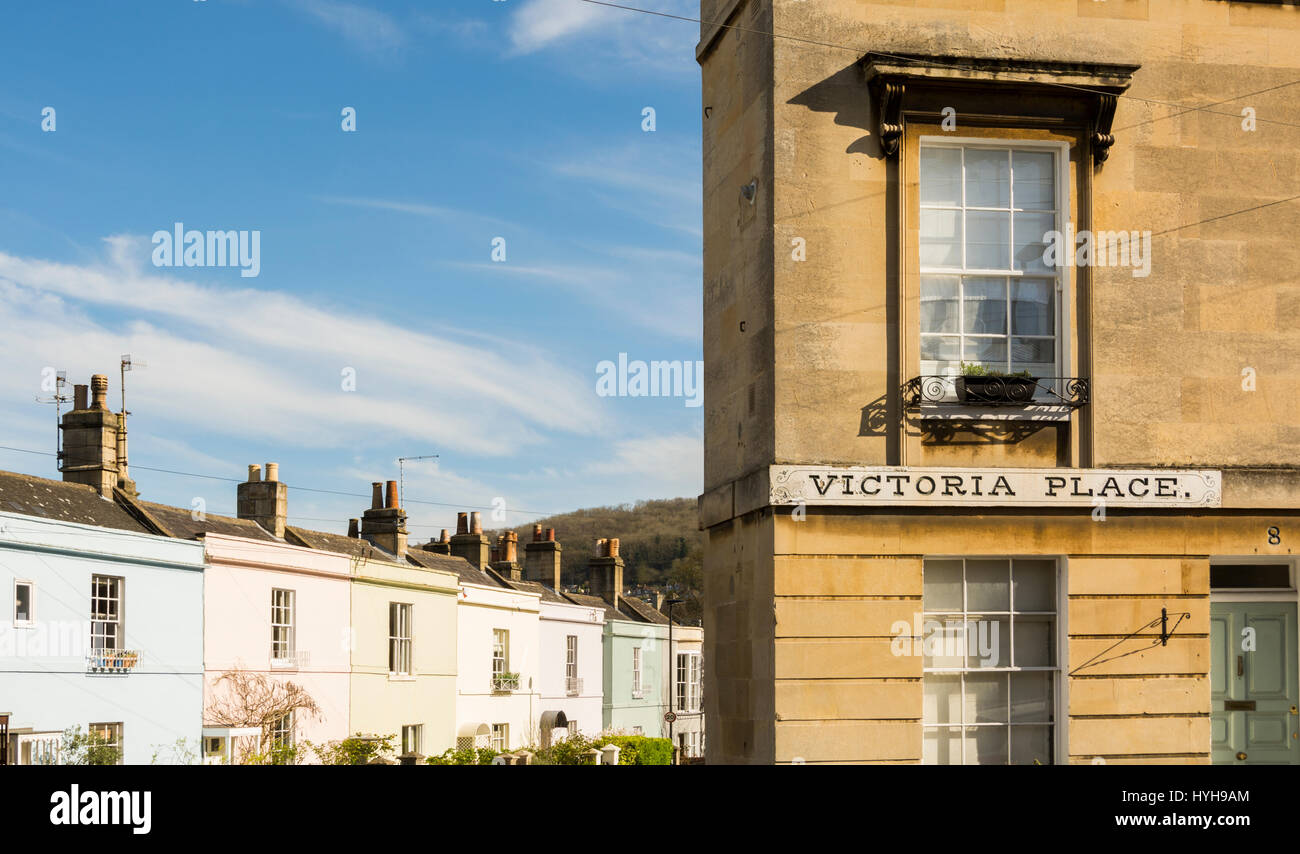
x,y
90,748
244,699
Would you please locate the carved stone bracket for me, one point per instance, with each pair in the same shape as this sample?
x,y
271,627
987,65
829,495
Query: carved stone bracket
x,y
1083,92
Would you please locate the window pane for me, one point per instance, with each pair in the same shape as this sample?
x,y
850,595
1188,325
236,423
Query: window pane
x,y
1033,307
1030,245
1029,743
22,602
1035,179
941,176
941,746
941,703
1031,696
940,238
941,585
988,240
940,348
988,585
1036,355
939,304
985,306
986,745
991,352
988,642
988,178
986,698
943,643
1034,642
1035,584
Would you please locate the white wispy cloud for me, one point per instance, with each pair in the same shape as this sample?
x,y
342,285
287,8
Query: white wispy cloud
x,y
421,209
365,29
663,465
633,38
268,365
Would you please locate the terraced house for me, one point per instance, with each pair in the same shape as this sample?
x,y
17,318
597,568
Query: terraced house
x,y
1002,422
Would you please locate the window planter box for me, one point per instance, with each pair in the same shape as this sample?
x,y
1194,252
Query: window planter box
x,y
996,389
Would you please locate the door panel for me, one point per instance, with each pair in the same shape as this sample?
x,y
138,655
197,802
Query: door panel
x,y
1254,692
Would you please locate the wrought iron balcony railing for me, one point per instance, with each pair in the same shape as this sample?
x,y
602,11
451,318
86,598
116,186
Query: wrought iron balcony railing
x,y
573,685
289,659
112,660
504,683
959,391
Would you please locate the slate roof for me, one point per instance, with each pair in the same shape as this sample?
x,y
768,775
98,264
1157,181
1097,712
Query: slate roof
x,y
594,602
179,522
469,574
643,611
337,543
63,502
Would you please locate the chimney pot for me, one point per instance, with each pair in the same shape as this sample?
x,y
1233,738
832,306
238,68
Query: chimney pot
x,y
443,538
550,535
254,473
475,522
390,499
99,391
376,496
462,523
354,528
80,396
537,533
613,547
272,471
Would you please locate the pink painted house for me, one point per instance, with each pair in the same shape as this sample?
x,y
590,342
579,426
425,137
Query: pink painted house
x,y
273,612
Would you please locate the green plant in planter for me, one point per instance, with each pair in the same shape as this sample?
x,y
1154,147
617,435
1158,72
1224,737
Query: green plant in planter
x,y
974,370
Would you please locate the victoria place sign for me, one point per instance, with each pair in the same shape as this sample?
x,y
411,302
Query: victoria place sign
x,y
865,485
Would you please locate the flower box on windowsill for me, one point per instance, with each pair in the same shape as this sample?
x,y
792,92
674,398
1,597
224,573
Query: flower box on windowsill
x,y
995,390
505,683
112,660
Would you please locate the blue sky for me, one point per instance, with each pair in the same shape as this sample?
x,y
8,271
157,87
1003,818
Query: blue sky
x,y
475,119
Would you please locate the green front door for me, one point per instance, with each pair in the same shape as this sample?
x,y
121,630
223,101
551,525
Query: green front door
x,y
1254,693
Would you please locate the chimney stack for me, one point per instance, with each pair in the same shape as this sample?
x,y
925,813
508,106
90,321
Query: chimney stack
x,y
90,440
441,546
542,558
507,557
470,542
265,502
605,570
384,524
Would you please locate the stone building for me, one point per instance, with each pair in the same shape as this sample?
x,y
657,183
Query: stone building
x,y
911,558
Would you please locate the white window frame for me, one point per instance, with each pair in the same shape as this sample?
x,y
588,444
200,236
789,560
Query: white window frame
x,y
115,733
413,738
284,617
638,686
30,622
282,731
500,738
688,674
1063,291
500,652
99,622
401,638
1061,647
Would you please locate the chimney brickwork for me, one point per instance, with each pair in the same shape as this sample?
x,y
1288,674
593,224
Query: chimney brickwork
x,y
90,439
542,558
605,571
264,501
384,524
470,542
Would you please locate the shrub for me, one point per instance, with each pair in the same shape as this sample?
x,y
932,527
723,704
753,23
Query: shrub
x,y
640,749
464,756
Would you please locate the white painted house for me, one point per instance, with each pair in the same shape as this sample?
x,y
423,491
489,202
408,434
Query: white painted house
x,y
101,627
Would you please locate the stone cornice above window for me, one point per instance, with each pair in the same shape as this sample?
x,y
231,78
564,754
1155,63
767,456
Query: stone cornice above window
x,y
1014,87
